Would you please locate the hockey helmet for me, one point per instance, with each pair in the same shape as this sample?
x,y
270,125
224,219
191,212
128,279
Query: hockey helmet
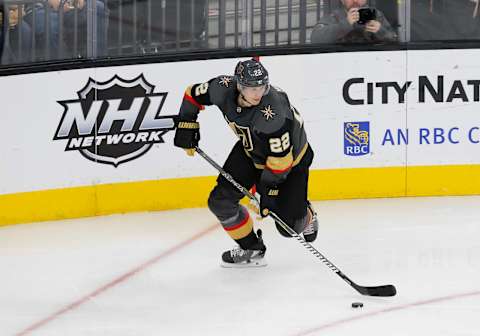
x,y
251,73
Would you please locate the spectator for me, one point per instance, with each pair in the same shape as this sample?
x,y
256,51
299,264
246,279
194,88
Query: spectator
x,y
70,8
102,25
343,26
18,48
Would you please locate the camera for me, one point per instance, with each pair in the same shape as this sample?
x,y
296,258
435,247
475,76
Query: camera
x,y
366,14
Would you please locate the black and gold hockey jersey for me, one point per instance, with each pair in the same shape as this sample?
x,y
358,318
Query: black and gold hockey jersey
x,y
272,132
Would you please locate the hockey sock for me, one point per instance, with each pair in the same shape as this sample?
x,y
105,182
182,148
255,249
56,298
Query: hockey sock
x,y
240,228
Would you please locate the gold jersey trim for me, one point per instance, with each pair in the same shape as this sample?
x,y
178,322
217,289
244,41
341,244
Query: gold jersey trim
x,y
295,162
188,90
300,155
279,164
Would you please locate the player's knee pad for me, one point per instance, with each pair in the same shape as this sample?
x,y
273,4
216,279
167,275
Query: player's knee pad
x,y
223,203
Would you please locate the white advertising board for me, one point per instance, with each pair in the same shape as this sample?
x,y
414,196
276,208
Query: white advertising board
x,y
360,110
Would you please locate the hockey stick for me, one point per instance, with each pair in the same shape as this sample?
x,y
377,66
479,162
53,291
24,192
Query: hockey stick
x,y
386,290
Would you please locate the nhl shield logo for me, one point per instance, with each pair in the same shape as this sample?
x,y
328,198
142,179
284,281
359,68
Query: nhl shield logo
x,y
114,122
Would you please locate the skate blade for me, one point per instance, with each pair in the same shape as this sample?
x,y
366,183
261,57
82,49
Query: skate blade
x,y
252,264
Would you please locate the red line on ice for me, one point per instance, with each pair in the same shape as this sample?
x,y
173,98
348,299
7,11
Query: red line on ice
x,y
336,323
113,283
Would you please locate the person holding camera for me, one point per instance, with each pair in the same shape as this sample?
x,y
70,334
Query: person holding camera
x,y
354,23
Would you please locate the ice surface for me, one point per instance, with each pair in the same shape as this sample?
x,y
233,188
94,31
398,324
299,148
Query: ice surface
x,y
158,274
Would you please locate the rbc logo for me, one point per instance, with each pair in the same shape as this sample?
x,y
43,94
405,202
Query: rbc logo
x,y
356,140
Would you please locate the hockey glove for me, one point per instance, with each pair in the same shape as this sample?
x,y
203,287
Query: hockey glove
x,y
268,200
187,136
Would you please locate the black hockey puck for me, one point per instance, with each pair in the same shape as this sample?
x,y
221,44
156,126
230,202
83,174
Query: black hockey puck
x,y
357,305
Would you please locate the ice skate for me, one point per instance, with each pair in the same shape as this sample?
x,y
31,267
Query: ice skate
x,y
240,258
311,230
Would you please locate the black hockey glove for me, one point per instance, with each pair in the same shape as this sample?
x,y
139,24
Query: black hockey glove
x,y
268,200
187,135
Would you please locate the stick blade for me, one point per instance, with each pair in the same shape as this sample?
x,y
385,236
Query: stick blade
x,y
386,290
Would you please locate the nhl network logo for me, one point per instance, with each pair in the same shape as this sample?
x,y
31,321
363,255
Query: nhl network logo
x,y
115,121
356,138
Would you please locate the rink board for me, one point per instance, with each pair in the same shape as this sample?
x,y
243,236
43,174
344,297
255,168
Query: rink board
x,y
96,141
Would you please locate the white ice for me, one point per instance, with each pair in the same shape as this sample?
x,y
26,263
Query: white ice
x,y
158,274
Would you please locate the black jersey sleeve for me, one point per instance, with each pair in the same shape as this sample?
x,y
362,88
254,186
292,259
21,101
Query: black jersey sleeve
x,y
198,95
279,155
194,99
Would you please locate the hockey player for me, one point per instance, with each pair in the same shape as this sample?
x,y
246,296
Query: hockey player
x,y
272,153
